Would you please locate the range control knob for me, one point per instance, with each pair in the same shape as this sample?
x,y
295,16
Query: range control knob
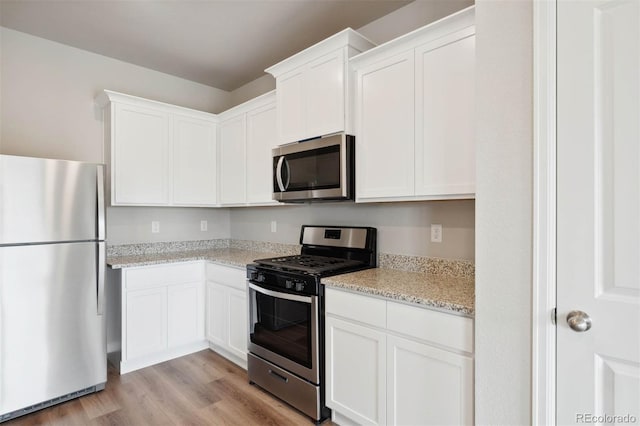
x,y
288,284
299,286
260,278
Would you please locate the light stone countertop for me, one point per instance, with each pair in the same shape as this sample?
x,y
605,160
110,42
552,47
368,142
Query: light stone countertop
x,y
225,256
430,290
433,283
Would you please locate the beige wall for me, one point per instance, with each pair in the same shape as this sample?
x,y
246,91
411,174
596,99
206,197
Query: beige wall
x,y
410,17
47,110
403,228
504,55
47,88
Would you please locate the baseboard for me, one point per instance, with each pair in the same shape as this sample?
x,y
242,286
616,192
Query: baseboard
x,y
156,358
228,355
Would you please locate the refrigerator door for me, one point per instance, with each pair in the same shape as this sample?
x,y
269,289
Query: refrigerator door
x,y
52,335
49,200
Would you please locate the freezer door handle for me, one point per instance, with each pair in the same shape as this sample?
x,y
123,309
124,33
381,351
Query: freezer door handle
x,y
100,194
101,272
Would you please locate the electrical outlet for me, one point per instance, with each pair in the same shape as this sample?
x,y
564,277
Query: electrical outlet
x,y
155,226
274,226
203,225
436,233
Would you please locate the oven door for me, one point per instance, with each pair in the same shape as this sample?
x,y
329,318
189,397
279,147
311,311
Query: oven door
x,y
317,169
283,329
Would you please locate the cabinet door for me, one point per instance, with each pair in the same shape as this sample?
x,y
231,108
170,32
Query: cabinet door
x,y
427,386
445,117
325,94
140,156
185,307
232,161
194,161
261,139
356,365
237,323
146,322
291,104
385,128
217,313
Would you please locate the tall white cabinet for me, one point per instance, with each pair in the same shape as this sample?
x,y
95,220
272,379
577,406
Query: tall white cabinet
x,y
415,114
246,137
158,154
314,88
389,363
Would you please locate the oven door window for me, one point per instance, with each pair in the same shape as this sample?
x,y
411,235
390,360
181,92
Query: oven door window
x,y
282,326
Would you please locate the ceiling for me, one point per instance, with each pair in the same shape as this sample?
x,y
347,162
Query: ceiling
x,y
223,44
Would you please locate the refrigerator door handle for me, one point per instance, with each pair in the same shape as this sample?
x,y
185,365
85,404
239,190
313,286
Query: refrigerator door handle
x,y
101,276
100,193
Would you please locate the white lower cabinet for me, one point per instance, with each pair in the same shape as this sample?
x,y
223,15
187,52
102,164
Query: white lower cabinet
x,y
385,365
226,325
162,313
356,383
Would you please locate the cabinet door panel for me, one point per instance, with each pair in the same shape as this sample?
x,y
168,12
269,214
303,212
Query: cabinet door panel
x,y
216,314
262,137
194,161
140,156
232,160
445,124
237,323
290,100
356,365
325,93
146,322
385,128
427,386
185,314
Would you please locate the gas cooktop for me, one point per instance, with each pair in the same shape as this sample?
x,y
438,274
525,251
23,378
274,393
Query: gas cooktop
x,y
310,264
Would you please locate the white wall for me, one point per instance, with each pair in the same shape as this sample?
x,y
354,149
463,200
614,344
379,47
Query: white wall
x,y
403,228
128,225
47,88
410,17
504,38
47,110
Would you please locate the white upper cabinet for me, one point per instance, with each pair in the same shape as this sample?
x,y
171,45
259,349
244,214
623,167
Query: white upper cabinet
x,y
140,155
158,154
232,157
194,161
385,117
415,115
445,116
261,139
313,85
247,135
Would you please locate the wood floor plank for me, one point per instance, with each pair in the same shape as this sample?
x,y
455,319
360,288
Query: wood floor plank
x,y
200,389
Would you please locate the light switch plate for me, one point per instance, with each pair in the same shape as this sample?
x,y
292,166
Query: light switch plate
x,y
155,226
203,225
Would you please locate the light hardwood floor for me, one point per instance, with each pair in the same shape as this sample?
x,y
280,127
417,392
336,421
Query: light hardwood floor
x,y
198,389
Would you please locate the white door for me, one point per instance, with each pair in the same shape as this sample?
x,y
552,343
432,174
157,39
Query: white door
x,y
325,92
598,246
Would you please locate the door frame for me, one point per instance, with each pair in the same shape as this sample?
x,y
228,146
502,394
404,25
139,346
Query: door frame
x,y
543,333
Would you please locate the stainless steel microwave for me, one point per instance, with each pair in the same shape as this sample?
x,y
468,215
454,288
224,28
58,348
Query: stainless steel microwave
x,y
315,170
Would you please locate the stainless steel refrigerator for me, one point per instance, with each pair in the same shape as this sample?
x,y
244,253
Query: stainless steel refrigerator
x,y
52,260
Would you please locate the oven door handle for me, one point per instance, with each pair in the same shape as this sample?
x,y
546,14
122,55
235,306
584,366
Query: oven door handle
x,y
279,295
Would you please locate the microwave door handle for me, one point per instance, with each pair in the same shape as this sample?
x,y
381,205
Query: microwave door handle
x,y
279,174
286,164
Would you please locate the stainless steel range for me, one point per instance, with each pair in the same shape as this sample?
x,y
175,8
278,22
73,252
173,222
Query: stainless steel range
x,y
286,312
